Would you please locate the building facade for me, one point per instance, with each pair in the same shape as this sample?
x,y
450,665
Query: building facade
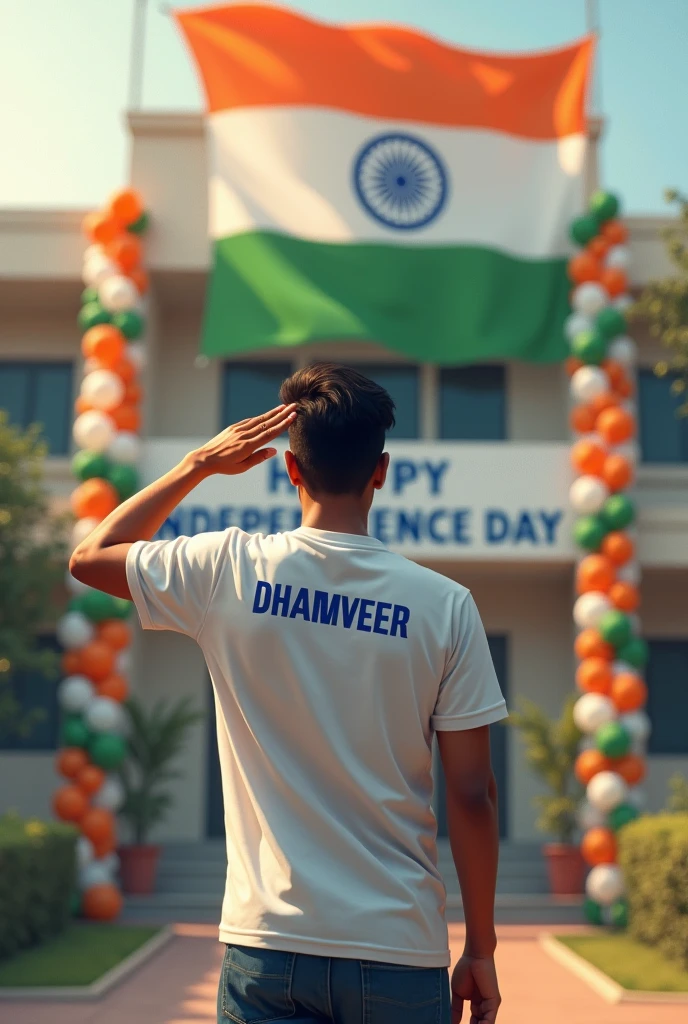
x,y
477,489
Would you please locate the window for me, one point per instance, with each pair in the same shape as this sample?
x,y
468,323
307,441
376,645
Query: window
x,y
667,704
251,388
35,692
473,403
663,434
39,393
402,384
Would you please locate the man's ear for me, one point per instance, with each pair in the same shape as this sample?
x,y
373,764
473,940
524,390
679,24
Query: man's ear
x,y
293,469
380,474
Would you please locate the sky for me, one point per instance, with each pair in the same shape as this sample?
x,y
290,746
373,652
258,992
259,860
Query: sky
x,y
64,69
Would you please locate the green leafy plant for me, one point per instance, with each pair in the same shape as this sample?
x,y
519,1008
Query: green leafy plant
x,y
551,748
678,798
156,737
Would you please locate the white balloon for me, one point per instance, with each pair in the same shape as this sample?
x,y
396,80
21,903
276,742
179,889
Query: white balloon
x,y
93,430
111,862
605,884
588,382
589,609
623,350
593,710
590,817
74,630
588,494
606,790
111,794
637,724
75,693
90,365
74,586
104,715
623,302
123,663
636,624
92,251
103,389
619,667
136,354
125,448
82,528
575,324
85,852
95,873
117,293
589,298
618,256
637,797
629,573
97,270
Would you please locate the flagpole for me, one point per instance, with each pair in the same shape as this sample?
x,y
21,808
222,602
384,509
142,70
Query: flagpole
x,y
137,55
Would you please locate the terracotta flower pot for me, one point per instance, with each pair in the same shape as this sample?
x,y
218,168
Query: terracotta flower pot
x,y
138,867
565,868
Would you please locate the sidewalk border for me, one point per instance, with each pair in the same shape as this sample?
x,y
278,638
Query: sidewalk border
x,y
99,988
600,982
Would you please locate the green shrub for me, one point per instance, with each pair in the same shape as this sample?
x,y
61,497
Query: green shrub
x,y
653,853
37,880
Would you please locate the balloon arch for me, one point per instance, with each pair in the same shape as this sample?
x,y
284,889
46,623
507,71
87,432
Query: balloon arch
x,y
612,655
94,632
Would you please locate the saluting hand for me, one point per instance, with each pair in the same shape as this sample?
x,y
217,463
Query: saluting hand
x,y
238,448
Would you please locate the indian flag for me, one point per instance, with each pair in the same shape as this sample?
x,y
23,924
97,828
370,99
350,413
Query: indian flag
x,y
371,182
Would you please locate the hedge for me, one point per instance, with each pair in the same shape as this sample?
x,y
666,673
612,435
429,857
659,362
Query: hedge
x,y
37,881
653,853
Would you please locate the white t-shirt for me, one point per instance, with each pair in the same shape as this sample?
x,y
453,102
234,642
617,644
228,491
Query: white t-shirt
x,y
333,661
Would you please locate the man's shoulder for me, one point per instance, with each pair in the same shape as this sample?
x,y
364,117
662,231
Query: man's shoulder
x,y
426,579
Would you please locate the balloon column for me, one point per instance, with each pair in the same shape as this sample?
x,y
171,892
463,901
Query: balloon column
x,y
611,653
94,631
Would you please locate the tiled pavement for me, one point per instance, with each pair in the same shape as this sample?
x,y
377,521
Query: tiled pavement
x,y
179,985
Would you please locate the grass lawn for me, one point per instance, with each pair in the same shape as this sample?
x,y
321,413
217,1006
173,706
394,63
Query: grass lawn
x,y
79,956
629,963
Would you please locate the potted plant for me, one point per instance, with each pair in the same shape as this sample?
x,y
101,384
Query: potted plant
x,y
156,737
551,748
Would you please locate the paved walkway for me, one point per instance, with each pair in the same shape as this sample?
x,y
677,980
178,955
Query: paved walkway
x,y
179,985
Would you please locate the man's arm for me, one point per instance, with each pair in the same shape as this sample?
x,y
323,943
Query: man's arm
x,y
474,840
100,559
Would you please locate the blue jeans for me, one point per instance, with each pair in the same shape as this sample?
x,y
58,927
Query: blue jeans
x,y
264,986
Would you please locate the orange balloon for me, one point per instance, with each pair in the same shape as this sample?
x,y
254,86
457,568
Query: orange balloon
x,y
588,457
625,596
571,364
114,633
125,369
584,267
97,660
614,281
94,497
618,547
589,763
102,903
70,804
114,687
104,343
599,846
71,663
617,472
631,768
615,371
133,394
100,227
126,417
140,279
625,387
70,761
102,847
594,675
614,232
589,644
97,824
126,251
607,400
615,425
595,572
82,404
628,691
90,779
126,206
582,419
598,247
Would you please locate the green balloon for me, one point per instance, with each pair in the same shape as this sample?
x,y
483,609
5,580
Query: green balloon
x,y
75,904
613,740
589,346
121,608
130,323
89,295
92,314
619,914
75,732
107,750
76,604
604,206
124,479
140,225
97,606
610,322
635,652
622,815
592,911
583,229
618,512
615,628
86,464
589,532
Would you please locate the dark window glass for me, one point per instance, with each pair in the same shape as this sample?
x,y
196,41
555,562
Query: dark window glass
x,y
402,384
39,393
473,403
663,434
36,692
667,704
250,389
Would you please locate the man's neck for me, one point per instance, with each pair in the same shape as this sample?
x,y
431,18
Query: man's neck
x,y
338,514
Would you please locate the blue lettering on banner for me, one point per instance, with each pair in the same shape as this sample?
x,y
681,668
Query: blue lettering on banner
x,y
436,472
434,519
496,526
550,521
462,525
409,526
323,608
403,472
278,478
525,529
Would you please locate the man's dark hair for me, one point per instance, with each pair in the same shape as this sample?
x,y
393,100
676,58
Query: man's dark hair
x,y
339,432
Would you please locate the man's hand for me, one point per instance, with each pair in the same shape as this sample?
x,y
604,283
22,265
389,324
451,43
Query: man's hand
x,y
238,448
474,980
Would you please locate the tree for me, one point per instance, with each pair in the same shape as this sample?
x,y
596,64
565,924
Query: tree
x,y
32,562
664,303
